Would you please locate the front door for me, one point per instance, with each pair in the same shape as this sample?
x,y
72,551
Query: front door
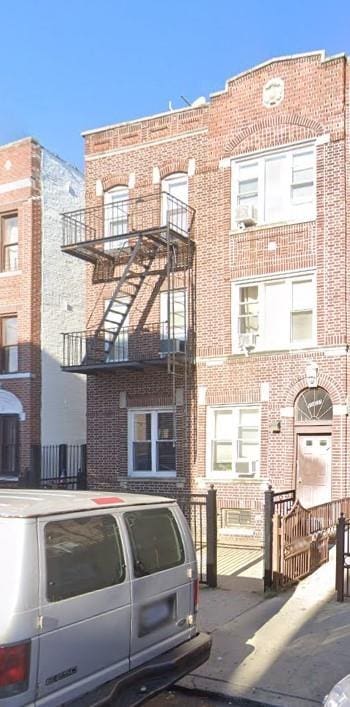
x,y
9,445
314,469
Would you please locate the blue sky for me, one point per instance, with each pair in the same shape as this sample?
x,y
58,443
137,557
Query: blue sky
x,y
71,65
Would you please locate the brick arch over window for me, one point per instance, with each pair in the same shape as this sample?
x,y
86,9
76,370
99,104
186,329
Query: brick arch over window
x,y
271,131
166,170
323,382
115,180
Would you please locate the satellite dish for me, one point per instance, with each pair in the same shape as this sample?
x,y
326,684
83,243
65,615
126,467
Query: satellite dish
x,y
199,102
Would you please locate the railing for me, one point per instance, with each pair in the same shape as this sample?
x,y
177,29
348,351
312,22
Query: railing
x,y
283,501
113,222
200,511
133,344
296,538
58,466
342,563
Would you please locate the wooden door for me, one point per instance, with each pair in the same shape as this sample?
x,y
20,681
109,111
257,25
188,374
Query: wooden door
x,y
314,469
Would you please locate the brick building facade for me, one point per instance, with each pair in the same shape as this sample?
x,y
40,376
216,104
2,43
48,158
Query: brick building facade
x,y
251,385
35,186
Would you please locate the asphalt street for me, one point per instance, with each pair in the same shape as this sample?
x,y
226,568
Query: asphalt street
x,y
182,698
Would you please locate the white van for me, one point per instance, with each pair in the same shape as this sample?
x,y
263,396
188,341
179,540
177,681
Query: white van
x,y
98,598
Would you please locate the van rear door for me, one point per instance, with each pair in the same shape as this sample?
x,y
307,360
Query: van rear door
x,y
84,605
163,577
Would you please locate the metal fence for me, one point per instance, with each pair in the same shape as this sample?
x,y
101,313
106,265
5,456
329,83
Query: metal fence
x,y
342,564
200,511
58,466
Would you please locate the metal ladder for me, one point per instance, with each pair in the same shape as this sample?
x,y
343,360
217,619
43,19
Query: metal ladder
x,y
122,299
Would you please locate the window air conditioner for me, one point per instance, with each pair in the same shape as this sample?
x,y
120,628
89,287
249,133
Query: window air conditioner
x,y
247,342
246,215
171,346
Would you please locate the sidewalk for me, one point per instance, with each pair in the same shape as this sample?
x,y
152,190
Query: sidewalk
x,y
285,650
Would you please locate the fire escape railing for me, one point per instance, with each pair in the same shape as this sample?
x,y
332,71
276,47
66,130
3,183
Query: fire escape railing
x,y
89,349
113,222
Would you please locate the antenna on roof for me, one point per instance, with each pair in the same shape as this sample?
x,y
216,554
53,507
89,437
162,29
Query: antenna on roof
x,y
185,100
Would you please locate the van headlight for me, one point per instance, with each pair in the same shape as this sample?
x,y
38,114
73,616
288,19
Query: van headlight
x,y
339,695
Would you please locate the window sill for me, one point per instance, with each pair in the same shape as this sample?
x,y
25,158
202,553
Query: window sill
x,y
9,273
9,376
236,530
9,478
233,479
291,349
155,476
268,226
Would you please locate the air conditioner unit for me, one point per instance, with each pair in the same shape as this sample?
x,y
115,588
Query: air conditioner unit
x,y
247,342
246,215
171,346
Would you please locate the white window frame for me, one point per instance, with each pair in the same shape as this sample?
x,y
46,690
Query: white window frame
x,y
153,473
167,182
123,192
260,158
262,339
235,410
178,333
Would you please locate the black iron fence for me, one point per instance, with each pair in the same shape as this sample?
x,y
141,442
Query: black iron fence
x,y
200,511
58,466
342,564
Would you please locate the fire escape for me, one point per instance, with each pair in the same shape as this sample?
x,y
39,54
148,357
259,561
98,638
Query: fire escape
x,y
132,243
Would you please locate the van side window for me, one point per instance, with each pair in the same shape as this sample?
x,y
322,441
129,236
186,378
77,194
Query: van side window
x,y
155,540
82,555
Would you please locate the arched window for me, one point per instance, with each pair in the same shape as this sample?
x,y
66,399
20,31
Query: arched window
x,y
313,405
116,203
175,201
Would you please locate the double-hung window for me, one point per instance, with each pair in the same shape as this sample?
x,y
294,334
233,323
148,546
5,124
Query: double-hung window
x,y
9,344
9,242
116,208
173,318
233,447
275,314
174,202
277,186
152,445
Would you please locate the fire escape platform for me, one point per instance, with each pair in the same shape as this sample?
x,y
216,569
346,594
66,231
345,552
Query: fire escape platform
x,y
117,249
107,367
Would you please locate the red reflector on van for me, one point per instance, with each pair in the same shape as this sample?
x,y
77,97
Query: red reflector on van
x,y
14,666
108,499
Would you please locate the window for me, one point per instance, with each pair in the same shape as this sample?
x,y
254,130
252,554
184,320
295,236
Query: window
x,y
276,314
177,305
116,216
82,555
174,201
152,447
155,540
9,344
116,350
278,186
9,242
233,442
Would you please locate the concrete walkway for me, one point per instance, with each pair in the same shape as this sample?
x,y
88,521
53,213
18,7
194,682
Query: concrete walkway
x,y
285,650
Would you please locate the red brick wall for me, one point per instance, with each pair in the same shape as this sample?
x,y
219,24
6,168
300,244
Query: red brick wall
x,y
20,293
236,122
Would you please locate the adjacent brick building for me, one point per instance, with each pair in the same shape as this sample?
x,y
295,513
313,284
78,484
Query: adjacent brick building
x,y
39,292
216,348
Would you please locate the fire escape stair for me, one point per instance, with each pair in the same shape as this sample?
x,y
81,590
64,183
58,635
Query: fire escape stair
x,y
122,299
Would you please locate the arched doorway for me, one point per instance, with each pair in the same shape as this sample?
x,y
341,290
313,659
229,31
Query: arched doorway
x,y
11,412
313,427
